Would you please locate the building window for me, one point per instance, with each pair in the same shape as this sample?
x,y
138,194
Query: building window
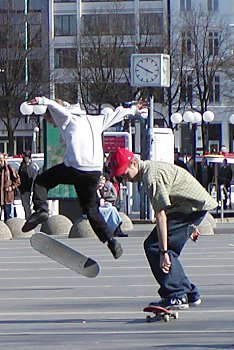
x,y
67,92
213,5
65,25
151,23
23,143
108,24
34,5
187,90
65,0
186,43
185,5
213,137
213,43
13,5
34,36
65,58
186,137
104,1
215,90
231,137
35,67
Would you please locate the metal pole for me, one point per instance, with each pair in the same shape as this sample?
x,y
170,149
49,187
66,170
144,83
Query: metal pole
x,y
169,53
194,144
150,127
150,140
221,189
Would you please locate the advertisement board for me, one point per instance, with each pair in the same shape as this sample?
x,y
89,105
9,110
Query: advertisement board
x,y
55,149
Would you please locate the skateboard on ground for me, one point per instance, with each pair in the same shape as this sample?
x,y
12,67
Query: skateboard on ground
x,y
160,313
64,254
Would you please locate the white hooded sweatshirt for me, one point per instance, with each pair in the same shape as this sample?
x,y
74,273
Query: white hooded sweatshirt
x,y
83,133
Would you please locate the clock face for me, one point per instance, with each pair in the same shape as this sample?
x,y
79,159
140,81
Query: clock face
x,y
146,70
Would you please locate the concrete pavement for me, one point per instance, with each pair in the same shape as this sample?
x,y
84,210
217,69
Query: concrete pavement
x,y
46,306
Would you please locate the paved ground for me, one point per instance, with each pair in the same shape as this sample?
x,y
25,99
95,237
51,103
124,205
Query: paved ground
x,y
46,306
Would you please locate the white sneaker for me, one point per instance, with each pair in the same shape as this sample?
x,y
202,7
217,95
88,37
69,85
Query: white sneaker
x,y
195,303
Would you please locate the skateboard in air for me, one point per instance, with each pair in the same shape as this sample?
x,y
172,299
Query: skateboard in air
x,y
64,254
160,313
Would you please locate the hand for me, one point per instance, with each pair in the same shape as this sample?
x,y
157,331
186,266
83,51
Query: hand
x,y
34,101
165,262
102,202
142,104
195,234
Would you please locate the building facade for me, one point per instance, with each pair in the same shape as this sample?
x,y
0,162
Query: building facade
x,y
89,45
211,48
72,21
24,71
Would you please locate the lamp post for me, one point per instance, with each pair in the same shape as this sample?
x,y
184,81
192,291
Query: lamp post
x,y
35,139
38,110
193,118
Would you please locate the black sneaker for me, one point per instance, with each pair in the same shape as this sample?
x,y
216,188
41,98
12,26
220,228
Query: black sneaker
x,y
35,219
115,248
119,233
172,303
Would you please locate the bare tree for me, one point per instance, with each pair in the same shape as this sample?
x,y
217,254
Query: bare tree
x,y
103,49
201,56
21,64
103,53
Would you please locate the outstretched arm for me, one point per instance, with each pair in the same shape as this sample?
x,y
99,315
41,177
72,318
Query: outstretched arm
x,y
161,219
130,110
60,114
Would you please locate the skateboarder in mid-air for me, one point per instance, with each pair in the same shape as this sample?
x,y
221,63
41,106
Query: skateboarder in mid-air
x,y
180,203
82,165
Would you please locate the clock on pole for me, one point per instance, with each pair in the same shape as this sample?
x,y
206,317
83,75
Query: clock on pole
x,y
150,70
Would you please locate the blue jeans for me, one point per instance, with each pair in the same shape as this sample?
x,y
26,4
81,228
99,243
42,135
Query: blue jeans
x,y
8,210
111,216
175,284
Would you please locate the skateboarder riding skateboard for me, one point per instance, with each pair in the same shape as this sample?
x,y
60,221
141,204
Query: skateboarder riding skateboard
x,y
82,165
180,204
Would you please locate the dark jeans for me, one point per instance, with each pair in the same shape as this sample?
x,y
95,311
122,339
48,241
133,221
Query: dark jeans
x,y
226,191
175,284
85,183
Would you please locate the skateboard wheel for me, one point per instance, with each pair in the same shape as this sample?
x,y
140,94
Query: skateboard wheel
x,y
166,318
148,319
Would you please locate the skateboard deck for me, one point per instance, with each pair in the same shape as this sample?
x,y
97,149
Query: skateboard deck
x,y
64,254
160,313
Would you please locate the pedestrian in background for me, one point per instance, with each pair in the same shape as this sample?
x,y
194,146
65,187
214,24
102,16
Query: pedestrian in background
x,y
9,182
27,174
178,161
108,210
191,166
204,173
225,178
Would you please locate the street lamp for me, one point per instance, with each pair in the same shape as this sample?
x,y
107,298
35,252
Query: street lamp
x,y
35,139
27,109
231,119
192,118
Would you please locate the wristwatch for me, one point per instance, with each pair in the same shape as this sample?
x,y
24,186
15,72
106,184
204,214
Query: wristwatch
x,y
162,251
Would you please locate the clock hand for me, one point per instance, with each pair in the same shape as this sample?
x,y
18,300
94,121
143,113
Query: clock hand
x,y
147,70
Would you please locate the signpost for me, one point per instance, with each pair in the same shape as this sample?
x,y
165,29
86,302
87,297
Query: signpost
x,y
114,140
